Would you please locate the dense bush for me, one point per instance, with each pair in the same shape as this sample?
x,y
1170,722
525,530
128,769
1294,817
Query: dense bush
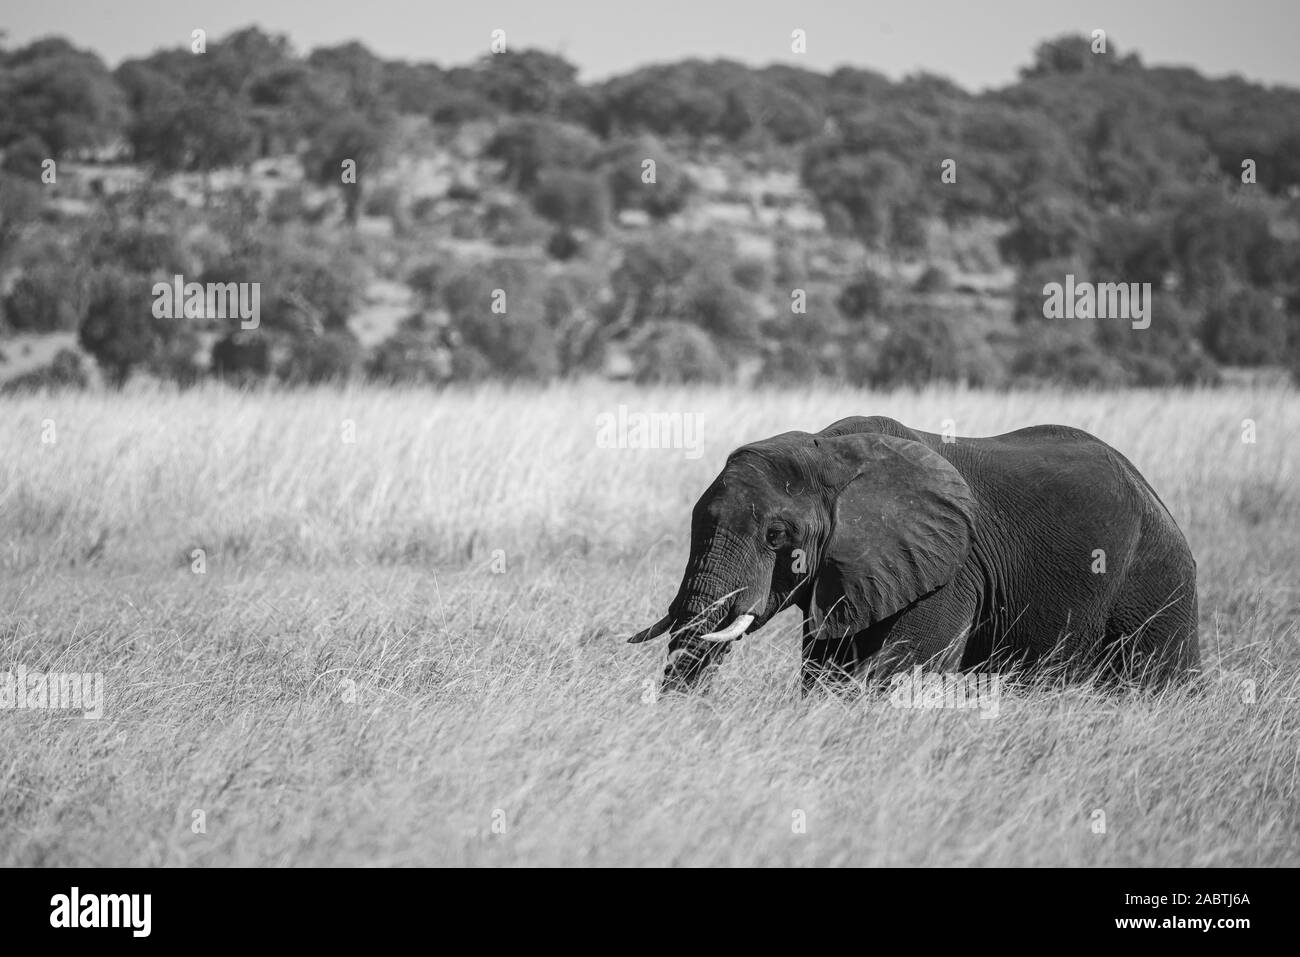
x,y
304,288
333,356
348,138
517,343
712,300
119,328
179,358
670,351
242,357
135,248
513,224
1048,225
1066,355
625,168
1091,165
750,273
563,245
927,346
65,371
875,195
573,200
526,148
25,158
44,299
933,279
811,345
1245,326
1166,353
864,296
410,356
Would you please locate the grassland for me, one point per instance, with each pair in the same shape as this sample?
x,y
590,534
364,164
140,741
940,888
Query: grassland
x,y
407,648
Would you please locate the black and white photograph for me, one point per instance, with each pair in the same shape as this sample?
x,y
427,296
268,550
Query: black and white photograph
x,y
675,435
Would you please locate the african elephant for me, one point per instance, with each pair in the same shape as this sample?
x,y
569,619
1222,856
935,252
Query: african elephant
x,y
1042,550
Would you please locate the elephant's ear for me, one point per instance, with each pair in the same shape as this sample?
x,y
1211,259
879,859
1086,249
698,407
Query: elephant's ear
x,y
902,526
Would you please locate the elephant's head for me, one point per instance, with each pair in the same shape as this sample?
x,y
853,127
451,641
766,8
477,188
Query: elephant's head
x,y
852,527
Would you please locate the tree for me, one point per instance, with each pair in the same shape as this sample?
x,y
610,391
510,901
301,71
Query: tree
x,y
333,356
1071,54
1168,353
306,290
65,371
43,300
1066,355
178,129
354,76
1245,326
864,296
1213,244
286,102
925,346
1065,54
648,283
411,355
786,115
518,343
713,301
158,131
529,146
25,158
411,87
21,202
671,351
573,200
119,328
241,357
527,81
875,196
688,98
64,96
1048,225
346,152
624,165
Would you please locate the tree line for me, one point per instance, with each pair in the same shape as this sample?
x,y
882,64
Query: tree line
x,y
1092,164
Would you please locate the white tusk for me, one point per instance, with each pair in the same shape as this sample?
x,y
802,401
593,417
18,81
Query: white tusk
x,y
732,631
674,655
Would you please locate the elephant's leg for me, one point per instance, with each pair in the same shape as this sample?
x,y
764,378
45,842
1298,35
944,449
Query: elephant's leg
x,y
931,633
1151,625
1151,634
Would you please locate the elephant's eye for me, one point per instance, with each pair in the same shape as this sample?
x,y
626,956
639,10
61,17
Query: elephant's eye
x,y
775,536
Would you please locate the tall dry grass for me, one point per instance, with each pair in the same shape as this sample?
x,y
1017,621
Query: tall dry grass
x,y
407,648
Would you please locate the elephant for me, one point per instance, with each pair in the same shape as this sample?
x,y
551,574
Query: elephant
x,y
1042,552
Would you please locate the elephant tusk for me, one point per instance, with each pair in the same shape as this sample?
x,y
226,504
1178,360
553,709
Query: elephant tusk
x,y
674,655
732,631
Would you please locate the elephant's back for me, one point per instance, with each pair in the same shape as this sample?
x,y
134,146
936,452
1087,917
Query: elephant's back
x,y
1064,471
1072,446
1052,459
1065,476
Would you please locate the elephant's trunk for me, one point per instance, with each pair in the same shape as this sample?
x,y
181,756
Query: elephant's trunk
x,y
725,588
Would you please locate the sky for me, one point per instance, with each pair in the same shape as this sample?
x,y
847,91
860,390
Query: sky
x,y
977,44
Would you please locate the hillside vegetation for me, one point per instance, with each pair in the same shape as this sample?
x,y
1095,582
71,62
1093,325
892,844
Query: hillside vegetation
x,y
692,221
